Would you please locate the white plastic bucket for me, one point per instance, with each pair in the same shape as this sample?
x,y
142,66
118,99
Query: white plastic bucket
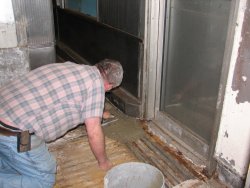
x,y
134,175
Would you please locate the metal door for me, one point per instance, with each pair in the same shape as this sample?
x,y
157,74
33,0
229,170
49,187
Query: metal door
x,y
185,102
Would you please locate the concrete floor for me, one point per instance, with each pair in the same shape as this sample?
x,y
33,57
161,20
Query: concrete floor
x,y
127,140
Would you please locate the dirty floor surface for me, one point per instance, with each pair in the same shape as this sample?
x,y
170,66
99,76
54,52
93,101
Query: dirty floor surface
x,y
126,140
77,167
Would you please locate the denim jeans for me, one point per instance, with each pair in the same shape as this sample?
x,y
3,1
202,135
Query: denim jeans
x,y
35,168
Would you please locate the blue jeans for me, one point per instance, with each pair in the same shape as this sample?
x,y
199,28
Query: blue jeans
x,y
35,168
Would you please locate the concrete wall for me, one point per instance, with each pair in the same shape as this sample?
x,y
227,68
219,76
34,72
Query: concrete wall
x,y
13,60
233,144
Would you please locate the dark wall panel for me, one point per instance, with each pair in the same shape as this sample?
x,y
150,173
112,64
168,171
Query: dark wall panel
x,y
127,15
94,42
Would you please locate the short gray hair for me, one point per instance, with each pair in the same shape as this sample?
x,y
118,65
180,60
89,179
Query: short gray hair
x,y
111,70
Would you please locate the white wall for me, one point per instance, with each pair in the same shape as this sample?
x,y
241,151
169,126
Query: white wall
x,y
233,143
8,36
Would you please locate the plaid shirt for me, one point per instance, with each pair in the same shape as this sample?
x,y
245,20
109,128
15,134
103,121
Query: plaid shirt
x,y
52,99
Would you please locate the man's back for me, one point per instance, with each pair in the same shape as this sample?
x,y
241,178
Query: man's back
x,y
52,99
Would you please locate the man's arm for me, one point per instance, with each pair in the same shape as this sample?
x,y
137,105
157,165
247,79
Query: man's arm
x,y
97,142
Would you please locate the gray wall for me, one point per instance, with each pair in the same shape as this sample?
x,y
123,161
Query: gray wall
x,y
27,41
13,63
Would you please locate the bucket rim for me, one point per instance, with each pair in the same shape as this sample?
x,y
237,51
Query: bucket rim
x,y
135,163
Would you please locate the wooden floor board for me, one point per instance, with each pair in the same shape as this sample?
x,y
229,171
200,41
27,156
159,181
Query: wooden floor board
x,y
77,166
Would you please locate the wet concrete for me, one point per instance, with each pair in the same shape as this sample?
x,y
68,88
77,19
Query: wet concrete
x,y
126,129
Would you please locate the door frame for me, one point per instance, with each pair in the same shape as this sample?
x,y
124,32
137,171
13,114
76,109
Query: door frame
x,y
201,152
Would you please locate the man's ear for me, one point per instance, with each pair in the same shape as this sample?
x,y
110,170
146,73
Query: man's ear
x,y
108,86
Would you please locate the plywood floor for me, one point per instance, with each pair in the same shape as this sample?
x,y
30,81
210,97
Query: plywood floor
x,y
77,167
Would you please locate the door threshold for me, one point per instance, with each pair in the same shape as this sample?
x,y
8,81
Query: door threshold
x,y
178,147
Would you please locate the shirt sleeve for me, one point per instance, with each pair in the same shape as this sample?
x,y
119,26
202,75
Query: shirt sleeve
x,y
94,103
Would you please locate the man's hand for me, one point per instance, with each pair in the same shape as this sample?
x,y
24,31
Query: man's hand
x,y
106,165
107,115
